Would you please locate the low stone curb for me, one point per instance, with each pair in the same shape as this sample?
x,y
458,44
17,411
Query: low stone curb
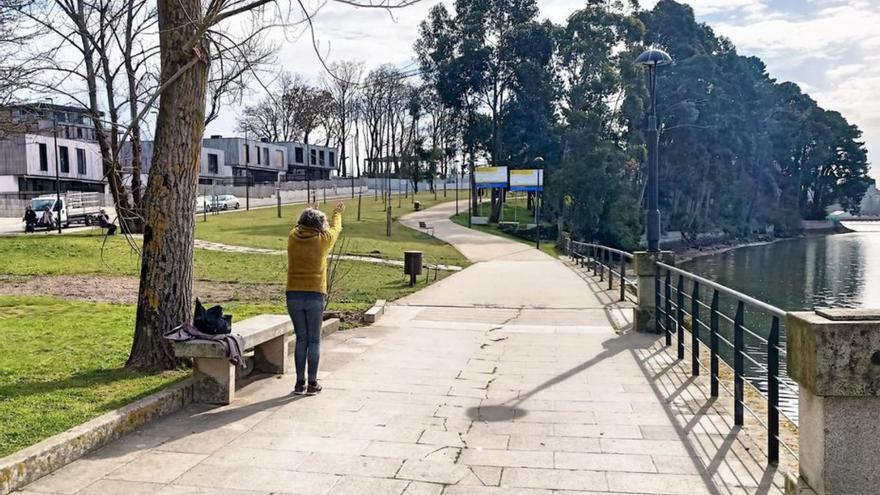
x,y
328,327
36,461
376,312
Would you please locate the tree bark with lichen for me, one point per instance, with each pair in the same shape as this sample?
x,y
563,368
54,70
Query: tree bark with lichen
x,y
165,295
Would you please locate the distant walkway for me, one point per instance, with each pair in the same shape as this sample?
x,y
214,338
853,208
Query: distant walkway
x,y
517,375
474,245
227,248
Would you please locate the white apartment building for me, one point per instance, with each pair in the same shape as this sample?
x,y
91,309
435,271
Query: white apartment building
x,y
28,154
230,160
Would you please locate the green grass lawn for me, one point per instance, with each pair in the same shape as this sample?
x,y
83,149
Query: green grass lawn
x,y
262,228
360,284
61,365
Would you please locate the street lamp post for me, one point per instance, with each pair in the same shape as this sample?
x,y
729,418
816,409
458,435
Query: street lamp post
x,y
57,166
457,177
652,59
539,162
471,186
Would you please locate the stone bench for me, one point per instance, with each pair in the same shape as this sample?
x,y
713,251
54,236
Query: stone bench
x,y
267,335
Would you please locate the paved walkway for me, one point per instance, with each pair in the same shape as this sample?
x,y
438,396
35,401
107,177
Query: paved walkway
x,y
228,248
514,376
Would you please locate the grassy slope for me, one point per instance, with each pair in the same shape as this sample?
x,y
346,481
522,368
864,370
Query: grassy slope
x,y
263,228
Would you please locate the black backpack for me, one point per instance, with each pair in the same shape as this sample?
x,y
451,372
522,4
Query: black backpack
x,y
211,321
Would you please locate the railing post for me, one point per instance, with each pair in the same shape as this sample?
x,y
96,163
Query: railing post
x,y
773,392
657,306
622,278
647,311
601,266
667,317
713,344
738,365
695,330
595,260
610,271
834,356
679,310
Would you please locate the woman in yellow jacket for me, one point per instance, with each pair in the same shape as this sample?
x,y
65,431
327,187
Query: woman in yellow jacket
x,y
308,246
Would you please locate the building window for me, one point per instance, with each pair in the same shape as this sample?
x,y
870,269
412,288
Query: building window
x,y
321,160
247,153
44,157
298,155
258,154
333,159
79,132
313,156
279,159
266,157
213,166
81,161
64,159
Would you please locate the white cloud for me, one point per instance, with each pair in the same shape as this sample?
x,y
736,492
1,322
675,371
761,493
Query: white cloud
x,y
834,54
854,97
714,7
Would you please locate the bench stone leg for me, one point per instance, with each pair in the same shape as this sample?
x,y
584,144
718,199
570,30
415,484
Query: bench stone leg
x,y
271,356
215,380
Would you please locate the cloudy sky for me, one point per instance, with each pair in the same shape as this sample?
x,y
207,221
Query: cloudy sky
x,y
831,48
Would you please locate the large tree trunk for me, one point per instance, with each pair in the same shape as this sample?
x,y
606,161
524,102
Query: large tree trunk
x,y
165,295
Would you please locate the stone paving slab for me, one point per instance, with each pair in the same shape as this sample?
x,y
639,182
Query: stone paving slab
x,y
540,395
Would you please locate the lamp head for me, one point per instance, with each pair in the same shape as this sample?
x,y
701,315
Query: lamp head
x,y
653,57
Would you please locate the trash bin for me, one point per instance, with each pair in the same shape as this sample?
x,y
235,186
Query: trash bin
x,y
412,265
417,205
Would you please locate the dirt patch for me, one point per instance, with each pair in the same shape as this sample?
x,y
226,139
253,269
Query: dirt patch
x,y
124,290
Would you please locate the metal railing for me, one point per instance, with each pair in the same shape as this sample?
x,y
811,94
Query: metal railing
x,y
602,259
727,309
719,319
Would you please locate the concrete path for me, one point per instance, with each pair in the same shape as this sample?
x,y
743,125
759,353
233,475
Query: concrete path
x,y
228,248
514,376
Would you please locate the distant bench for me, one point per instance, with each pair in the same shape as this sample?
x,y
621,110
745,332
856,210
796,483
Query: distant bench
x,y
267,335
428,229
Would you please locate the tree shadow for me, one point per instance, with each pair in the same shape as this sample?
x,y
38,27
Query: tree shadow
x,y
510,409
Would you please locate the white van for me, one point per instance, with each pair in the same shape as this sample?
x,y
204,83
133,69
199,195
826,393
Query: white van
x,y
75,207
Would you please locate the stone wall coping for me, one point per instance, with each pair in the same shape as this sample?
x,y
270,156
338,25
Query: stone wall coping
x,y
34,462
835,358
847,314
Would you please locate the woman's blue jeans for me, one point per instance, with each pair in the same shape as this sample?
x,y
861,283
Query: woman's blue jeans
x,y
306,309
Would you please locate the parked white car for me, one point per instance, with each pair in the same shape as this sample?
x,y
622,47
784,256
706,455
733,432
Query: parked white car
x,y
226,202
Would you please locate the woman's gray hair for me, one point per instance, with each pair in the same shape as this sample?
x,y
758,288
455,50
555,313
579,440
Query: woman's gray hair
x,y
313,218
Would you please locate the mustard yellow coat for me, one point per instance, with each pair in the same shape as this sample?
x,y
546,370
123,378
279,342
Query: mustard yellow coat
x,y
307,253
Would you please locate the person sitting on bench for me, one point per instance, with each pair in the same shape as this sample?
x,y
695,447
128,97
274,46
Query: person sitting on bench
x,y
105,223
